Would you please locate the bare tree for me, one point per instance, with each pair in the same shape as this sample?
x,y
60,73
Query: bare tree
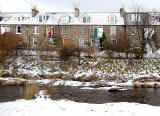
x,y
144,22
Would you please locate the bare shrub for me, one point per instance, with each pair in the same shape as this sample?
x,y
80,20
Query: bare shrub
x,y
31,90
89,51
50,91
9,44
68,50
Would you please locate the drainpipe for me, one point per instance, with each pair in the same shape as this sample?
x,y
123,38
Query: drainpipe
x,y
28,40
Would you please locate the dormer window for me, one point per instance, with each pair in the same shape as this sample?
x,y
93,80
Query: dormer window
x,y
65,19
88,19
20,18
42,18
112,19
85,18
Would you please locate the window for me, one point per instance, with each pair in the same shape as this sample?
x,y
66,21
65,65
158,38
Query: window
x,y
83,30
48,31
133,30
5,29
100,31
52,31
42,18
64,30
114,41
86,19
112,19
132,17
81,42
18,29
112,30
35,42
36,30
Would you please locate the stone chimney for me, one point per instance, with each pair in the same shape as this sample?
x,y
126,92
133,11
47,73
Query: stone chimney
x,y
34,11
122,12
76,12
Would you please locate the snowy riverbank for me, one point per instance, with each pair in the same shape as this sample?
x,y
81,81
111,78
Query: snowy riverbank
x,y
47,107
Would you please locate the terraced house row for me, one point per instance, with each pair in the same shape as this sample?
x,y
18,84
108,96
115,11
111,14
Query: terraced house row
x,y
83,28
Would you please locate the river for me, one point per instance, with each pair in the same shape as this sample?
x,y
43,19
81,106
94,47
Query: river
x,y
141,95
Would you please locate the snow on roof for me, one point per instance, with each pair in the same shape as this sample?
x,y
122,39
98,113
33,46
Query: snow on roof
x,y
63,18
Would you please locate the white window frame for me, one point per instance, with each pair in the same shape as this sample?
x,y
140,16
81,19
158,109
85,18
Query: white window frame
x,y
81,42
17,30
6,28
113,30
36,29
84,19
42,18
99,35
112,19
133,17
83,30
88,19
35,39
64,29
3,29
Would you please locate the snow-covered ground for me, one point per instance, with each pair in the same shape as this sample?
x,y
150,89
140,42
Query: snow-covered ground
x,y
47,107
87,72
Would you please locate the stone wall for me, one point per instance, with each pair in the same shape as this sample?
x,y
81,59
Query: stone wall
x,y
73,32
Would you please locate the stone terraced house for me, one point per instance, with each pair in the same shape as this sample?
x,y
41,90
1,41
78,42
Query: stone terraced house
x,y
84,28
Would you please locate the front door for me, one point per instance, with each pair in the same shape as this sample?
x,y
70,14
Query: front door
x,y
95,32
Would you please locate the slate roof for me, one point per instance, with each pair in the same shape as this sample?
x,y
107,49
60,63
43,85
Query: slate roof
x,y
61,18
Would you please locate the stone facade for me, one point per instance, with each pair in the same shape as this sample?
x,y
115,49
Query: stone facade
x,y
73,32
81,28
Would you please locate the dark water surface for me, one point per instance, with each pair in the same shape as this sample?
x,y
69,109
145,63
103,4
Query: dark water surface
x,y
142,95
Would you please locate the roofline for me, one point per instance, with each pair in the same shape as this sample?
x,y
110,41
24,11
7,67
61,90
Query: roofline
x,y
56,12
140,12
64,24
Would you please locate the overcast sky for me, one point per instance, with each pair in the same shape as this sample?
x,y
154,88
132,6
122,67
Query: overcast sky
x,y
84,5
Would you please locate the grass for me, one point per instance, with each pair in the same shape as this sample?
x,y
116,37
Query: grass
x,y
31,90
50,91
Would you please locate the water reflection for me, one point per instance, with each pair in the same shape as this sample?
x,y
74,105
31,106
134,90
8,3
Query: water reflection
x,y
141,95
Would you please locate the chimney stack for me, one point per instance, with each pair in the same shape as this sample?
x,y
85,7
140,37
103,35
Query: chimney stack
x,y
122,12
34,11
76,10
